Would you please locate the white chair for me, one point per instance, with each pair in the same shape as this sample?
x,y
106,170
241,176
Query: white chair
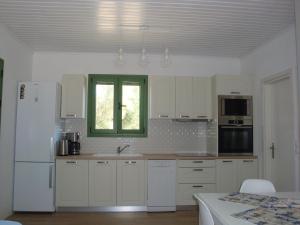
x,y
257,186
205,217
8,222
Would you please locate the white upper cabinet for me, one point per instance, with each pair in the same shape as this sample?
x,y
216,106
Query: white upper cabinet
x,y
184,97
233,85
73,96
162,97
202,98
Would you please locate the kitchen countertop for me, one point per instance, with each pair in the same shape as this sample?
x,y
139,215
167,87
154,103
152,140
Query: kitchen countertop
x,y
155,156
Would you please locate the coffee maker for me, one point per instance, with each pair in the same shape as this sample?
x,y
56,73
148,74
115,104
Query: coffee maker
x,y
73,143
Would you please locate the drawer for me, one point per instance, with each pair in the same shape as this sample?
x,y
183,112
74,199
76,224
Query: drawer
x,y
185,192
196,163
196,175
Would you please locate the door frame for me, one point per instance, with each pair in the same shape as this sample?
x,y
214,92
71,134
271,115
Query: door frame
x,y
265,87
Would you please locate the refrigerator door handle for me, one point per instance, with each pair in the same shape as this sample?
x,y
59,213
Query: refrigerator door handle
x,y
50,176
51,148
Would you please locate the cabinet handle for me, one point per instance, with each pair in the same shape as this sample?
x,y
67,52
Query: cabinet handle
x,y
197,161
50,177
197,186
247,161
71,162
130,162
227,161
184,116
73,115
198,169
201,116
102,162
235,92
163,116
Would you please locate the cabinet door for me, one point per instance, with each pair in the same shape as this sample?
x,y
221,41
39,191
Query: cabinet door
x,y
234,85
131,183
102,183
72,182
227,175
202,98
184,97
162,97
73,96
247,169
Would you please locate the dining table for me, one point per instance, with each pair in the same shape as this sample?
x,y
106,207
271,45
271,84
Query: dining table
x,y
223,211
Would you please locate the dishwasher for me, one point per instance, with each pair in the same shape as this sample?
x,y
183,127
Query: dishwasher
x,y
161,185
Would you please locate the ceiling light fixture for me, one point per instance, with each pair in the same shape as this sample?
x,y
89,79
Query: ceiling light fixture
x,y
166,61
144,58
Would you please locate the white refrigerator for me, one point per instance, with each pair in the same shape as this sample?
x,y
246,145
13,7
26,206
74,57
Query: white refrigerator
x,y
38,131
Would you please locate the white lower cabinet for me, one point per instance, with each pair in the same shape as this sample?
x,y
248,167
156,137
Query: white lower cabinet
x,y
194,176
102,183
226,175
131,183
72,183
247,169
232,172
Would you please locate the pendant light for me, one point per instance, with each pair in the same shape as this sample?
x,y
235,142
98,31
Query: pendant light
x,y
166,61
144,60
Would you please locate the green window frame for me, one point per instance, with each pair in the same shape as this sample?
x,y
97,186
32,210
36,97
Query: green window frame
x,y
118,82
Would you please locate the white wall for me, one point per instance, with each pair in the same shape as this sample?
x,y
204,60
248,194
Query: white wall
x,y
51,65
275,56
17,66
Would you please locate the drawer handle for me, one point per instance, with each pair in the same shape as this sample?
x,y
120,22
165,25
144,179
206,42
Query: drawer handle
x,y
71,162
74,115
227,161
247,161
163,116
130,162
197,186
197,161
102,162
198,169
235,92
201,116
184,116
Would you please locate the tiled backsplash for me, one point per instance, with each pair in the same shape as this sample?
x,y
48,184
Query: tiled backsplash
x,y
163,136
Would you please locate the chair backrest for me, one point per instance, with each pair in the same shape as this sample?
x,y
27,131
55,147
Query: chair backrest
x,y
205,217
257,186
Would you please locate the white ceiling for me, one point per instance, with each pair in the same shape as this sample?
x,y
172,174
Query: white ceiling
x,y
203,27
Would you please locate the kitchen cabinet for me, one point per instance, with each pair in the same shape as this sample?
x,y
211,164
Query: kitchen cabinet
x,y
162,97
73,96
194,176
232,172
233,85
202,98
72,183
131,181
226,175
184,97
247,169
102,182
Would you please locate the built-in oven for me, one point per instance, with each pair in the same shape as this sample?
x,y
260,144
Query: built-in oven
x,y
235,139
235,108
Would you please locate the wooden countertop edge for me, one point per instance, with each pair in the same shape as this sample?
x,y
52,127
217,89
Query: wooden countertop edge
x,y
151,157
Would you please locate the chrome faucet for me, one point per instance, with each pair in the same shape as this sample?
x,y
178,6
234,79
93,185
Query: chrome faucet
x,y
119,149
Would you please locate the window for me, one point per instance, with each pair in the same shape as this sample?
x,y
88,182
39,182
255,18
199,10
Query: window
x,y
117,105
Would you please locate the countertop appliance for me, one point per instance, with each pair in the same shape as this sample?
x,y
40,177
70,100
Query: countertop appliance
x,y
38,131
235,108
161,185
74,144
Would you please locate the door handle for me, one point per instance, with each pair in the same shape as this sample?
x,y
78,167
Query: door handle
x,y
50,177
272,147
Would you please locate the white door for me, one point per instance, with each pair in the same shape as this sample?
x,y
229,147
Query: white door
x,y
279,133
35,129
34,187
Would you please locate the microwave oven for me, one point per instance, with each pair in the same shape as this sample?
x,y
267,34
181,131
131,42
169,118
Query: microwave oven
x,y
234,108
